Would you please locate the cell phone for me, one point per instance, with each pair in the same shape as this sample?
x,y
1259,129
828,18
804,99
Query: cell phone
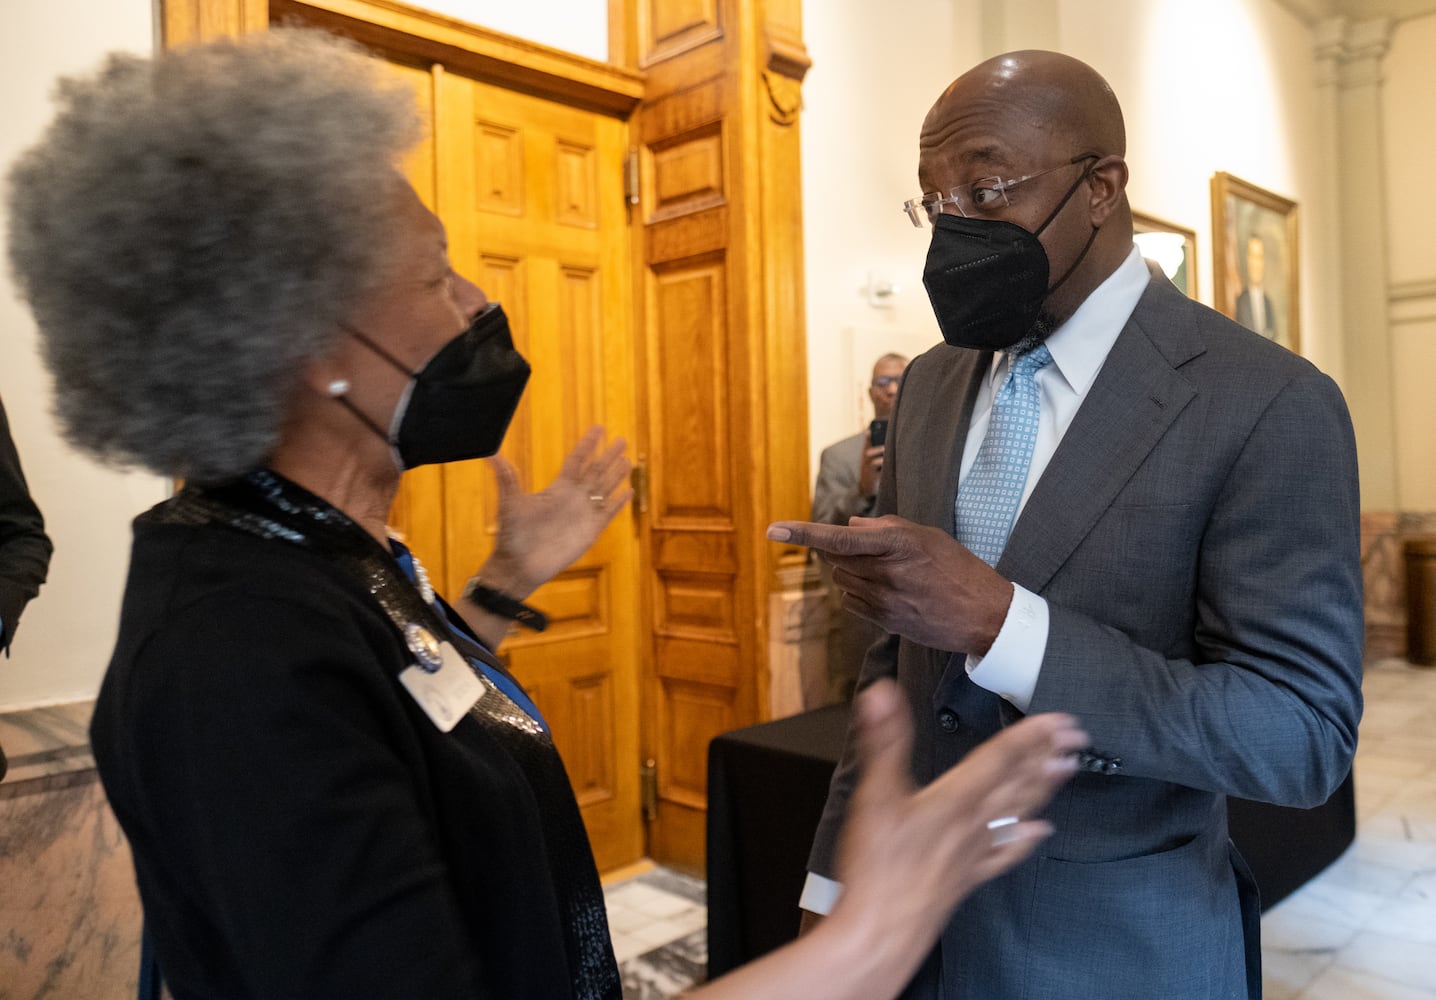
x,y
878,433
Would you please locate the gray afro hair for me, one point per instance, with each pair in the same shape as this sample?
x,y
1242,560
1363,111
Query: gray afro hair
x,y
190,229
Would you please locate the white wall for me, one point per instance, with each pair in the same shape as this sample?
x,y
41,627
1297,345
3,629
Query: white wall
x,y
877,67
1253,111
578,26
66,636
1218,85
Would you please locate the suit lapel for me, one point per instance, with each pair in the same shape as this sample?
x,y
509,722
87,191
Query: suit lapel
x,y
1135,398
945,435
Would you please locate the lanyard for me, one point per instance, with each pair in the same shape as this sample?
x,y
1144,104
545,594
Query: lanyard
x,y
486,664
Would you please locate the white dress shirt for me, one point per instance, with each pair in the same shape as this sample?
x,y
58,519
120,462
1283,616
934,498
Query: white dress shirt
x,y
1079,349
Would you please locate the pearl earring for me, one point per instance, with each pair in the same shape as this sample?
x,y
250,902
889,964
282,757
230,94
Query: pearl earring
x,y
338,387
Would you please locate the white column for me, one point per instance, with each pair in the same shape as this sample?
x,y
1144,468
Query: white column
x,y
1349,69
1008,25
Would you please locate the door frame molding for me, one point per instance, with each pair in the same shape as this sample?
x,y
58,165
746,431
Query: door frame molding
x,y
488,55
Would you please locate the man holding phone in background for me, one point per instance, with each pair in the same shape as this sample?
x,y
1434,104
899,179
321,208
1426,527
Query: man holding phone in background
x,y
847,486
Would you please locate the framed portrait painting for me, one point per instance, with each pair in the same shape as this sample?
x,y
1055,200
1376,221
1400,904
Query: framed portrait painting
x,y
1255,272
1171,247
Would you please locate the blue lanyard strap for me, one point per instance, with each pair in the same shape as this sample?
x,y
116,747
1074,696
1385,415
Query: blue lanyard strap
x,y
492,674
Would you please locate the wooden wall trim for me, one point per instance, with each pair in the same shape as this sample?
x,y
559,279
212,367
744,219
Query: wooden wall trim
x,y
623,33
662,34
184,21
488,55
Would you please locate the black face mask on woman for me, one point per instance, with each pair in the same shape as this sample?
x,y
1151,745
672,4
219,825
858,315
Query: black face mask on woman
x,y
987,279
458,405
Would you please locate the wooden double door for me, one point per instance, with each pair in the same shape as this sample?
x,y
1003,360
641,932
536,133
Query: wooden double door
x,y
640,222
531,193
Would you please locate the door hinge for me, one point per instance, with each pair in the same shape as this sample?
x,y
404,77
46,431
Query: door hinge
x,y
638,479
630,177
648,789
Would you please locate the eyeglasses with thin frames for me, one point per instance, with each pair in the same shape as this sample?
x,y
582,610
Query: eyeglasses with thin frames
x,y
988,194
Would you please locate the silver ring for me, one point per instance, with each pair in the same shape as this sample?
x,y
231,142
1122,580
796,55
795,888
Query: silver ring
x,y
1004,830
597,498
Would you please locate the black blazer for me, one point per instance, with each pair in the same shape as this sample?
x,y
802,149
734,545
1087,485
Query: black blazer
x,y
24,547
299,827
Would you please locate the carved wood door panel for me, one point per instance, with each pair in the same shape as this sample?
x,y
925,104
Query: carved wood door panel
x,y
532,194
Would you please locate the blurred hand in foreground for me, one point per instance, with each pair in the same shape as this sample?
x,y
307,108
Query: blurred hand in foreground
x,y
909,856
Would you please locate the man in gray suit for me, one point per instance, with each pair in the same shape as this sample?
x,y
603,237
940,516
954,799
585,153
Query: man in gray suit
x,y
848,474
1182,569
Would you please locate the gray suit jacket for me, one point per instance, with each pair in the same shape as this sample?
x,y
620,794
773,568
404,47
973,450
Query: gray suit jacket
x,y
835,495
835,499
1196,537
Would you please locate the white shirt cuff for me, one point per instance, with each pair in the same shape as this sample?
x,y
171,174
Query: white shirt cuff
x,y
820,894
1012,664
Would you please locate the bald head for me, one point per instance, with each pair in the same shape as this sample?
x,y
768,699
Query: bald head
x,y
1054,101
1049,128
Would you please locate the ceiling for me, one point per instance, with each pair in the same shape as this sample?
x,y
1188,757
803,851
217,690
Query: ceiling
x,y
1312,11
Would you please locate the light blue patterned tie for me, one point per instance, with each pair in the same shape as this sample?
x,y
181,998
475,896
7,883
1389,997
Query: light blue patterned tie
x,y
989,494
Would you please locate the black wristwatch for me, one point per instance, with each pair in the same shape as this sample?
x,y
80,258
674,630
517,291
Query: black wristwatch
x,y
499,603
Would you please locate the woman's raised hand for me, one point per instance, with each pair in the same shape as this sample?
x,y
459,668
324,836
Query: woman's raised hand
x,y
541,534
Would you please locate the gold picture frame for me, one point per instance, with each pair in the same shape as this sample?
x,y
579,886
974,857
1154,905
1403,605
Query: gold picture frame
x,y
1255,263
1172,247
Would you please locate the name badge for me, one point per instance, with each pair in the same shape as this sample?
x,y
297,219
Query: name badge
x,y
447,693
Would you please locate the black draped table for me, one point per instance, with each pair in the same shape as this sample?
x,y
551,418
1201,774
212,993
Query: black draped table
x,y
766,788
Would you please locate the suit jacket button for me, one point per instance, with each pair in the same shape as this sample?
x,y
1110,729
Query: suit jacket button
x,y
947,719
1097,762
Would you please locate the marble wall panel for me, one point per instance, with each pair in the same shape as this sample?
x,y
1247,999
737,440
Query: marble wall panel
x,y
1383,568
69,912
